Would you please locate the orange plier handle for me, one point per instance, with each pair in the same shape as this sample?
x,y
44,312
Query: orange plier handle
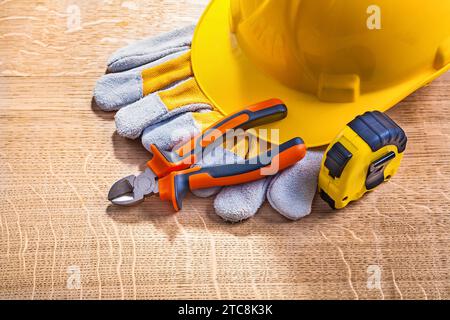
x,y
163,163
176,177
175,186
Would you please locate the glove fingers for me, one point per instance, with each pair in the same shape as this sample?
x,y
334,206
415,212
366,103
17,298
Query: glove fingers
x,y
113,91
116,90
151,49
152,109
168,134
132,120
241,202
292,191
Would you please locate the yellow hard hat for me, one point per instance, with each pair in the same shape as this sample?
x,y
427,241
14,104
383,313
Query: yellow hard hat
x,y
327,60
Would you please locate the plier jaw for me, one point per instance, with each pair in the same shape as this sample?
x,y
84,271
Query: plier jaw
x,y
132,190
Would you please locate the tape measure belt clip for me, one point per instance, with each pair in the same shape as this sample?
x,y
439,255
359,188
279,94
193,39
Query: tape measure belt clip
x,y
375,175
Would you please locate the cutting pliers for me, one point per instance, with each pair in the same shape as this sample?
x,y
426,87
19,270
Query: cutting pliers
x,y
172,174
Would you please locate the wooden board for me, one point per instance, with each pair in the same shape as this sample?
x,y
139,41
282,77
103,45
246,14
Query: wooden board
x,y
59,156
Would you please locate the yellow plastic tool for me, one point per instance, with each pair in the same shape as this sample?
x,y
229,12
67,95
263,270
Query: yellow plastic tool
x,y
328,60
365,154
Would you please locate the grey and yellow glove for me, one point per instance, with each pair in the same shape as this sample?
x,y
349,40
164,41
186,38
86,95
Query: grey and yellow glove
x,y
152,86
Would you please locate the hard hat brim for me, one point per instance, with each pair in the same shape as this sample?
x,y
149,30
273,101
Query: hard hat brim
x,y
231,81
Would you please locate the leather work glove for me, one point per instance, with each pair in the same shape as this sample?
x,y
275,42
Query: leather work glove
x,y
151,85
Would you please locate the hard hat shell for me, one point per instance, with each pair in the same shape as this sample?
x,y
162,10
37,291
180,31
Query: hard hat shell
x,y
328,60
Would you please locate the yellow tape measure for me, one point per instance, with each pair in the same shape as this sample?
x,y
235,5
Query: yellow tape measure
x,y
366,153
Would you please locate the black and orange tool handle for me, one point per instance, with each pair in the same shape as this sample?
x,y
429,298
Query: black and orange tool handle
x,y
175,186
185,156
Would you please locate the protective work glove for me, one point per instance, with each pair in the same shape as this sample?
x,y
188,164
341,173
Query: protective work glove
x,y
152,86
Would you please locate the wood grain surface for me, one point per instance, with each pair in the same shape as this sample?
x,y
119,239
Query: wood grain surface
x,y
60,238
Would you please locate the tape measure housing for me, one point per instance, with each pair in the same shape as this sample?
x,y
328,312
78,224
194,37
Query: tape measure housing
x,y
366,153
